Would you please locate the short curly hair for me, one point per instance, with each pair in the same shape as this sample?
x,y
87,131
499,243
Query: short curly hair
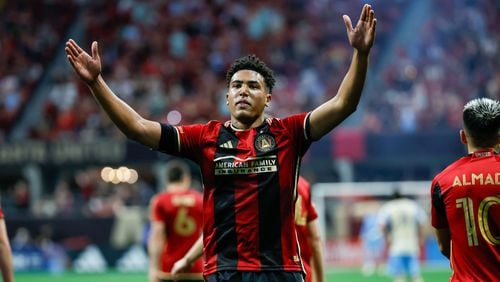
x,y
252,62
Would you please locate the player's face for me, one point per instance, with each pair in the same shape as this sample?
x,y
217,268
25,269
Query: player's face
x,y
247,96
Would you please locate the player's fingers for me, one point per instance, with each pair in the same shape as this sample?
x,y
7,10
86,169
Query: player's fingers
x,y
364,12
78,49
374,27
71,61
95,50
371,16
71,50
347,22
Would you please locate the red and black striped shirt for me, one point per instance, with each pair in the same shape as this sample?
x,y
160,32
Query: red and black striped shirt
x,y
250,178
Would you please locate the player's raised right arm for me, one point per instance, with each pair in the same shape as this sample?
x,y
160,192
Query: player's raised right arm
x,y
127,119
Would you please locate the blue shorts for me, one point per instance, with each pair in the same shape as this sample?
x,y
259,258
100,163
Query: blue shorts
x,y
400,265
247,276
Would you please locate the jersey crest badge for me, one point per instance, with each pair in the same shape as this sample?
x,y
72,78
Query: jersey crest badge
x,y
264,143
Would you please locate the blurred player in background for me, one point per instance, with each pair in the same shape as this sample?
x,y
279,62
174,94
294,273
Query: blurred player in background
x,y
5,252
249,164
466,198
402,221
308,234
176,224
372,240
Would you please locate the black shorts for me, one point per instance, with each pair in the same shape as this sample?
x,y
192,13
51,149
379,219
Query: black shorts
x,y
247,276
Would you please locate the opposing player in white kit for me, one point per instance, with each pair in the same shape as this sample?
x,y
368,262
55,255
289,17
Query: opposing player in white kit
x,y
402,220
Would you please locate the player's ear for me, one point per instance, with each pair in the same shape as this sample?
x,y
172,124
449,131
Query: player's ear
x,y
268,99
463,136
227,98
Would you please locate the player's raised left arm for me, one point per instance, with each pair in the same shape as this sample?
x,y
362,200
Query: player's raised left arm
x,y
361,37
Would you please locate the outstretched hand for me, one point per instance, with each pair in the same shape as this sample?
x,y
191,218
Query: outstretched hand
x,y
361,36
87,67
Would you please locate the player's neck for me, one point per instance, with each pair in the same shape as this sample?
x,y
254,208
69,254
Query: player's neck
x,y
176,187
474,149
239,125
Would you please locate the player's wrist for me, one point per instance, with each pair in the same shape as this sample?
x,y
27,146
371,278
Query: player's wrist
x,y
189,261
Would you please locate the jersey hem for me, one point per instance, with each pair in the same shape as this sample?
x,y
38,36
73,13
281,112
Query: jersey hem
x,y
294,268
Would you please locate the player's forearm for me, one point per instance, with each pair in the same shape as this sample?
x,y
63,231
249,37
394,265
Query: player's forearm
x,y
122,115
6,262
155,247
324,118
195,252
6,268
317,261
352,85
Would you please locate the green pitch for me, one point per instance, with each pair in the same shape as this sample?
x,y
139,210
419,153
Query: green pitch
x,y
333,275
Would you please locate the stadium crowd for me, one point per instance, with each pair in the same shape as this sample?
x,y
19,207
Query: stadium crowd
x,y
454,60
168,59
31,32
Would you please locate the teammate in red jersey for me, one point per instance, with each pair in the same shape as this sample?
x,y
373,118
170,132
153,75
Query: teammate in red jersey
x,y
176,224
249,164
308,234
466,198
5,252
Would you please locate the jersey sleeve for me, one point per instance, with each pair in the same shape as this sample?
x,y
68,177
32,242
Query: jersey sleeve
x,y
438,211
298,127
1,213
312,213
181,141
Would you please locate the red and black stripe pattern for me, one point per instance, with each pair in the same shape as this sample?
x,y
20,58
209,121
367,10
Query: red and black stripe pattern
x,y
249,179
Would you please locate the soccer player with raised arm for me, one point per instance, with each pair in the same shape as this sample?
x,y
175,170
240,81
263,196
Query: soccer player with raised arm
x,y
250,163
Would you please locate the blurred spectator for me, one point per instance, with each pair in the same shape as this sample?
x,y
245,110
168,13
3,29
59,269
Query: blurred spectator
x,y
21,196
63,198
56,259
27,256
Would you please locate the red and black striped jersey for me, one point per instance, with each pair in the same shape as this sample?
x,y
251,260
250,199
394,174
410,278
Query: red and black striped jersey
x,y
466,199
250,178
